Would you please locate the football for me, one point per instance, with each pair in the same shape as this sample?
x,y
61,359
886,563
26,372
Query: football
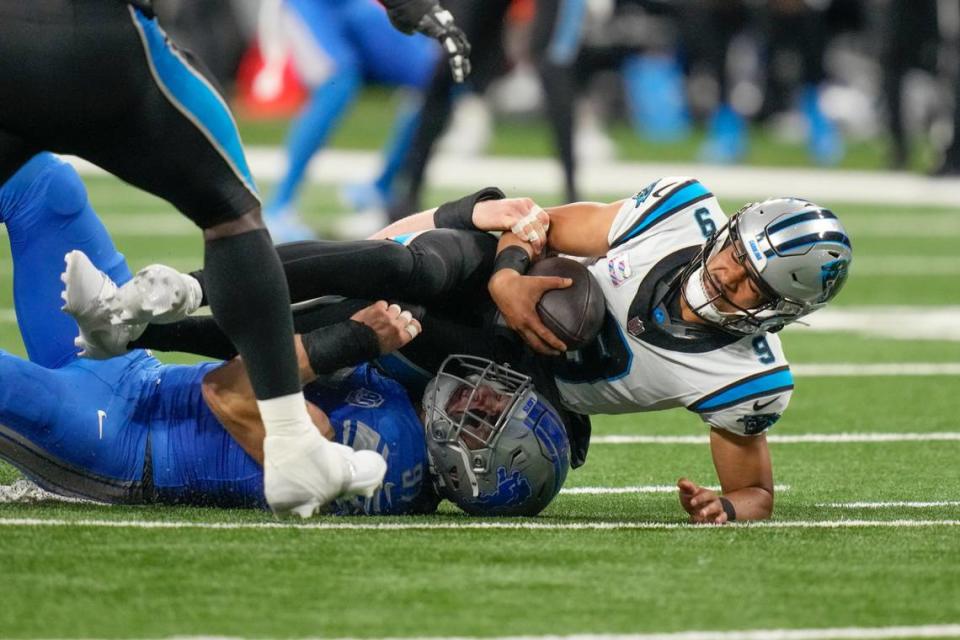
x,y
574,314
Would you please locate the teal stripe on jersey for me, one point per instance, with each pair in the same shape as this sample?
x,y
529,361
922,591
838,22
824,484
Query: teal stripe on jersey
x,y
193,95
773,381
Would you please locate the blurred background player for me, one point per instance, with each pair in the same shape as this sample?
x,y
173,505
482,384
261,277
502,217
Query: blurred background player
x,y
131,430
336,47
554,45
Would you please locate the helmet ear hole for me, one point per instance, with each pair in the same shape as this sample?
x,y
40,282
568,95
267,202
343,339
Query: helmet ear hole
x,y
454,477
517,457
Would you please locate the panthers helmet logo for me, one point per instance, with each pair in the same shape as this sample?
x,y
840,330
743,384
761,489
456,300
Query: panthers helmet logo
x,y
832,276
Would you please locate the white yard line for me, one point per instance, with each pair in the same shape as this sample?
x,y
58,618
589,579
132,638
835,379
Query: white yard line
x,y
834,633
518,174
813,370
649,488
907,504
901,323
806,438
472,525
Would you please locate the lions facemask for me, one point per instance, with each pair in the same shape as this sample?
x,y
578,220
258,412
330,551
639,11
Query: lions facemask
x,y
797,254
496,446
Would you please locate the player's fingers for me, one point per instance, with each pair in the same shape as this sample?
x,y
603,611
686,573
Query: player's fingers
x,y
413,329
552,282
556,344
394,311
405,316
701,497
686,486
537,344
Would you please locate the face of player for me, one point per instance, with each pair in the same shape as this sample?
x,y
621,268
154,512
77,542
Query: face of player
x,y
730,283
484,406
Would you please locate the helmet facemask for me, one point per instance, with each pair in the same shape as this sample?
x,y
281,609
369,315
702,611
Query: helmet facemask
x,y
473,431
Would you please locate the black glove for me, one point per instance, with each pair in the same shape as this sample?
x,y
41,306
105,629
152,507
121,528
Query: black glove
x,y
430,19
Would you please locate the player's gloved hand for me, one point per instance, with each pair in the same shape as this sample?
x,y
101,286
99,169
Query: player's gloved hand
x,y
394,327
702,504
430,19
517,296
523,216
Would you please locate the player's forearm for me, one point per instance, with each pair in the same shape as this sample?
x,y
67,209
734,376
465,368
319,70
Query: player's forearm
x,y
229,395
751,503
422,221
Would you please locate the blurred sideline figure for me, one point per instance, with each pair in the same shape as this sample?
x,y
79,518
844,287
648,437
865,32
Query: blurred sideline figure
x,y
336,46
792,34
554,45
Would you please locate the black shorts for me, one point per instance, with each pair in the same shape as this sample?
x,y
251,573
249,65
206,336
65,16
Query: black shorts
x,y
99,79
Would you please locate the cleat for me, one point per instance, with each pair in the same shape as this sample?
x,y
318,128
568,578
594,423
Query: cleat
x,y
86,296
302,474
158,294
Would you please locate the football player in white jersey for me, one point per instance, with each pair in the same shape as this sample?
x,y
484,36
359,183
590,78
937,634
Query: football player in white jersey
x,y
694,301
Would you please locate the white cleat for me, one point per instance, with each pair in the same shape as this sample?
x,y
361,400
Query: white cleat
x,y
87,296
302,474
158,294
367,471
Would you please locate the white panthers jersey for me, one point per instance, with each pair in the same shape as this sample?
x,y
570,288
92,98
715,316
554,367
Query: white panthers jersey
x,y
741,384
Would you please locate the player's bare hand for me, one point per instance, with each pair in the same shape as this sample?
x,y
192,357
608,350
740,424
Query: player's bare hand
x,y
394,326
523,216
517,296
702,504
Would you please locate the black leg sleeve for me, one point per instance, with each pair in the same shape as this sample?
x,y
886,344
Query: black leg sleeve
x,y
200,335
249,299
437,267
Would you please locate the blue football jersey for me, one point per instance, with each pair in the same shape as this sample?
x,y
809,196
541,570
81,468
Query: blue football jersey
x,y
370,411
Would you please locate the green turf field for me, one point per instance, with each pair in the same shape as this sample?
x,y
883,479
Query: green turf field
x,y
596,561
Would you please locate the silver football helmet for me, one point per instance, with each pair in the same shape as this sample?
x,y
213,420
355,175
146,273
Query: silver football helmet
x,y
797,253
495,445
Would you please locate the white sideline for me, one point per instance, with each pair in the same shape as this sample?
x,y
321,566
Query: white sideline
x,y
834,633
805,438
910,504
473,525
649,488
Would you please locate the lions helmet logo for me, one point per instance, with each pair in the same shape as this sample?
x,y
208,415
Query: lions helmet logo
x,y
512,489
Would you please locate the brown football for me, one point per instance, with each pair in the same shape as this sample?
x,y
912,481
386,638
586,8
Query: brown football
x,y
574,314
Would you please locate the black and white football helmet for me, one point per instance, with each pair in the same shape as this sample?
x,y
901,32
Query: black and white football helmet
x,y
496,446
797,253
